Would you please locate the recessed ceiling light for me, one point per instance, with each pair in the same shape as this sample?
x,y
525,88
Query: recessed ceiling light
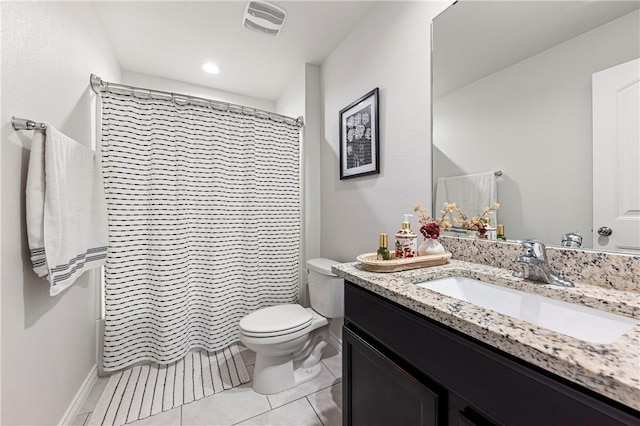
x,y
211,68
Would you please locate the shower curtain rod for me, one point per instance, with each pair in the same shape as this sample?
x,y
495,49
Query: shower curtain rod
x,y
99,85
24,124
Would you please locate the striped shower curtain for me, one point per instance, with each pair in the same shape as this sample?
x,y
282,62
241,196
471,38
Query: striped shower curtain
x,y
204,224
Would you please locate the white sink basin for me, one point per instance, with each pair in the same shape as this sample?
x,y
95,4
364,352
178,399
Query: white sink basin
x,y
578,321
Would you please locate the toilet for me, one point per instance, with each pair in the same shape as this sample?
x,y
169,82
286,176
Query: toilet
x,y
289,339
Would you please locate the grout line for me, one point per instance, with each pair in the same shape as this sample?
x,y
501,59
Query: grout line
x,y
252,417
314,410
303,396
328,369
264,412
325,365
268,402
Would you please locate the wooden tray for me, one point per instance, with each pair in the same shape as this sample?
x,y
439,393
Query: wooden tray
x,y
369,262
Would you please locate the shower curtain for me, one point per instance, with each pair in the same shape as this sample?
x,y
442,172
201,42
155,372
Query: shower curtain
x,y
204,224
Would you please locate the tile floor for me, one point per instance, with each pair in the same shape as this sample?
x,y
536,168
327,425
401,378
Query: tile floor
x,y
317,403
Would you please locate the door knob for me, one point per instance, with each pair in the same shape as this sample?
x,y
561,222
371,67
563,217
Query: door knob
x,y
605,231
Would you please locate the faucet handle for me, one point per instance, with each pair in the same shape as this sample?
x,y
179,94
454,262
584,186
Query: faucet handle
x,y
534,248
536,266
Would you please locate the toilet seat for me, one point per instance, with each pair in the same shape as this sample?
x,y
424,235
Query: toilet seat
x,y
275,321
288,341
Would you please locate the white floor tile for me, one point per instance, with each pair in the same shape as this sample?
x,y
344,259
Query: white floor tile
x,y
166,418
325,379
93,397
316,402
297,413
327,404
250,369
329,351
248,356
225,408
80,419
334,364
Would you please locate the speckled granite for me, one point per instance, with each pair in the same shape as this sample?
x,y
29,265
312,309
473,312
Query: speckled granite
x,y
612,370
609,270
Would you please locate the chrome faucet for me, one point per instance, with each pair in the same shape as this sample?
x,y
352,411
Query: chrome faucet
x,y
535,265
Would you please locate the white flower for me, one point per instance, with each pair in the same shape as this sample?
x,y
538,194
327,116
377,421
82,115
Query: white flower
x,y
350,134
350,122
358,119
359,131
367,133
365,118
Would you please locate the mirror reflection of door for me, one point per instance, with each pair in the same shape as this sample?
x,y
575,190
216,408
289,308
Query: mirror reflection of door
x,y
616,158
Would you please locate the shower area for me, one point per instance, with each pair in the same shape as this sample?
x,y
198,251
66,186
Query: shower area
x,y
204,216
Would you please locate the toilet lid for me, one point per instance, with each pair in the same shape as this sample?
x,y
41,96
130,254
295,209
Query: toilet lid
x,y
322,266
276,319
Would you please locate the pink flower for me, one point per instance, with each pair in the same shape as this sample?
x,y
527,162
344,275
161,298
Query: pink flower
x,y
430,230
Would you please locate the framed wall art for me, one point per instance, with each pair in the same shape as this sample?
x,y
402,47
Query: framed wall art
x,y
359,144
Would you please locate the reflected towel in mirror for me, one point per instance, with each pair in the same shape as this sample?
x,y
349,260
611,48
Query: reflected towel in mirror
x,y
471,193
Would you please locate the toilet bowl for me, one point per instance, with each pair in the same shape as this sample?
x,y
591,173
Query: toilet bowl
x,y
289,339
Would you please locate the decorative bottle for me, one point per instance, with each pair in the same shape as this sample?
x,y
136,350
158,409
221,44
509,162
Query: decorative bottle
x,y
406,240
383,251
491,233
501,235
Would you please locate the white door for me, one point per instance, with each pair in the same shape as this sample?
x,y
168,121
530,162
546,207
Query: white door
x,y
616,158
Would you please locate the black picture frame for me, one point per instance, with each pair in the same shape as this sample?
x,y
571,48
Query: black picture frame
x,y
359,137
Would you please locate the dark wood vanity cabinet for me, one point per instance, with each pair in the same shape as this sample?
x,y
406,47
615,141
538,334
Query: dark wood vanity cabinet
x,y
377,384
401,368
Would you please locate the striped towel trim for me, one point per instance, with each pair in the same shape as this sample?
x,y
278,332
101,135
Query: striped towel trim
x,y
39,261
146,390
66,270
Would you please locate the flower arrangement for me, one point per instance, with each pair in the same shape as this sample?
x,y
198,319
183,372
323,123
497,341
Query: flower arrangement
x,y
431,227
480,222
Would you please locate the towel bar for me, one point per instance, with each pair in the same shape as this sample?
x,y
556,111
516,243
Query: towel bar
x,y
24,124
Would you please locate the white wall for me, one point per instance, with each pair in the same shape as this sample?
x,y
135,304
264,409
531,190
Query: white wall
x,y
390,49
291,101
312,164
533,121
49,49
158,83
302,98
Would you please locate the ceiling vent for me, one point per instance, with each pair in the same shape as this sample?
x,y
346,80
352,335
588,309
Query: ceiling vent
x,y
264,18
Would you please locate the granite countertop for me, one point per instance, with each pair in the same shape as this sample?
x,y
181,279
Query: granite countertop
x,y
612,370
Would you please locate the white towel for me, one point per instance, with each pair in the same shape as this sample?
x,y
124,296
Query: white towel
x,y
66,209
472,193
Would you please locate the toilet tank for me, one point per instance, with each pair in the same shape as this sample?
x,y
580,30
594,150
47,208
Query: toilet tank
x,y
326,290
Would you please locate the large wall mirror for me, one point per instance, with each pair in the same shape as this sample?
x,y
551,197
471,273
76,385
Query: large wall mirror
x,y
512,92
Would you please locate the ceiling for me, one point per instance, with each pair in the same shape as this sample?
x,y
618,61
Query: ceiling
x,y
172,39
473,39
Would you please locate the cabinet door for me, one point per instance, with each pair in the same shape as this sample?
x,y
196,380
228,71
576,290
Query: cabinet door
x,y
466,416
379,392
